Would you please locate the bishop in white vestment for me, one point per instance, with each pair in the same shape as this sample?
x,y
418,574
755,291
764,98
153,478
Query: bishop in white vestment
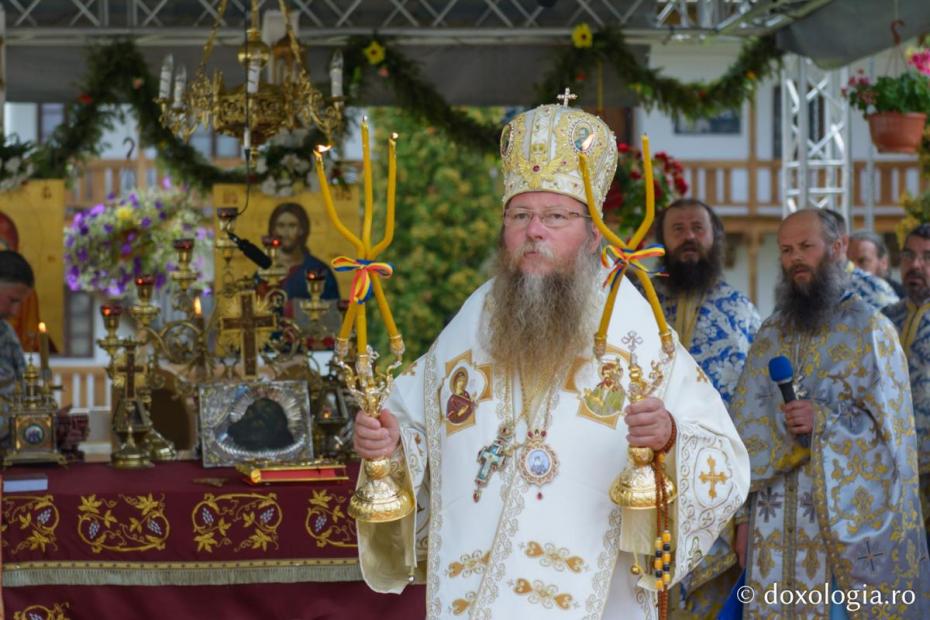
x,y
513,514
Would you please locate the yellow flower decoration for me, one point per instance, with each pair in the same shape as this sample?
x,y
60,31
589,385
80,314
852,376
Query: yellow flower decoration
x,y
582,35
374,53
905,226
124,214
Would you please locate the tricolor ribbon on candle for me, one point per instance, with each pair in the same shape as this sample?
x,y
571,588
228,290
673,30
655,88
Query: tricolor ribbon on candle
x,y
621,259
364,270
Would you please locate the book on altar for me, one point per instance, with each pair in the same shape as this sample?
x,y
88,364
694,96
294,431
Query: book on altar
x,y
23,483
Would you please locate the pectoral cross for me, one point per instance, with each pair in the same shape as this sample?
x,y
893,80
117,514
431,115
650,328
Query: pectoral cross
x,y
129,370
492,458
566,97
248,323
712,477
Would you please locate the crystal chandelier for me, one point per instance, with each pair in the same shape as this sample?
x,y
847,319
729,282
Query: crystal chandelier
x,y
258,109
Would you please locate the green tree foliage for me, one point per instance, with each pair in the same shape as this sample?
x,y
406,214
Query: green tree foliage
x,y
447,225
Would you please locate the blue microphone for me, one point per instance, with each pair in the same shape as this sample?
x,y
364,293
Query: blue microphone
x,y
781,372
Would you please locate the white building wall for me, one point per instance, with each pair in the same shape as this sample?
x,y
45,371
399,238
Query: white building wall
x,y
706,62
21,119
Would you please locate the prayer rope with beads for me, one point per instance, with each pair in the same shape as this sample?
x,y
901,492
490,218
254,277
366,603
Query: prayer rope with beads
x,y
662,564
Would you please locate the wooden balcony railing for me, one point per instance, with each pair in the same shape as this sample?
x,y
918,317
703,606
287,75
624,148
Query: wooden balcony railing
x,y
737,187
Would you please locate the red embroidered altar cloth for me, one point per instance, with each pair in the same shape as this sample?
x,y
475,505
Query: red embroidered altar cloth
x,y
230,551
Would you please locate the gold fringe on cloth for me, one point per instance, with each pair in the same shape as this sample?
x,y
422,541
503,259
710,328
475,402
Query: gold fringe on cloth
x,y
179,573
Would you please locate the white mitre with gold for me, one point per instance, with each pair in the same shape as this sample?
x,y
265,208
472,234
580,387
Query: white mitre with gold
x,y
539,153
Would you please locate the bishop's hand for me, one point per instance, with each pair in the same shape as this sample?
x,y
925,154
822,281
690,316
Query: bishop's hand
x,y
375,437
649,424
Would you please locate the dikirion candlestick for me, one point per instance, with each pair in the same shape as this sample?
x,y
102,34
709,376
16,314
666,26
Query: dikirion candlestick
x,y
382,498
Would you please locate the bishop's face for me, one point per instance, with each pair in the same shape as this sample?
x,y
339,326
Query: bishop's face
x,y
288,228
915,268
540,240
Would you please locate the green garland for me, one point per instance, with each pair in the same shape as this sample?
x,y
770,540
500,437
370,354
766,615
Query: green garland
x,y
756,61
117,74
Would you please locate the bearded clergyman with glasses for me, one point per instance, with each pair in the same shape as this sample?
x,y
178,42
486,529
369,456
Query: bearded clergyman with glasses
x,y
514,518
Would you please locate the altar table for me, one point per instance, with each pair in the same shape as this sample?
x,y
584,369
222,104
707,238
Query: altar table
x,y
178,541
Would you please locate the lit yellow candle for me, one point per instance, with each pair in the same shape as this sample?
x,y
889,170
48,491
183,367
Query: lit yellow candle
x,y
634,241
383,307
391,198
646,224
608,309
328,202
653,300
348,321
594,209
369,187
43,346
611,237
361,329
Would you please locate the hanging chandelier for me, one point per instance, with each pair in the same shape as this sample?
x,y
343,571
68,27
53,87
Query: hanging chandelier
x,y
257,109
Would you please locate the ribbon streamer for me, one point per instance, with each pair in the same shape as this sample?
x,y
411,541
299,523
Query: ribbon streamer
x,y
364,270
622,259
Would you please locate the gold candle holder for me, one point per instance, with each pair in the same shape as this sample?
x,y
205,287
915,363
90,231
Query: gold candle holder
x,y
144,310
111,313
277,271
635,487
315,306
226,246
131,421
184,275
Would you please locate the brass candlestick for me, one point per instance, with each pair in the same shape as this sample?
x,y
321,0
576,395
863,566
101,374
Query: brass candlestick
x,y
226,246
277,271
315,306
144,310
130,420
184,275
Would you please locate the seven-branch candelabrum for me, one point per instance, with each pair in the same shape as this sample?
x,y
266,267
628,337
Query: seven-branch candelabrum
x,y
258,109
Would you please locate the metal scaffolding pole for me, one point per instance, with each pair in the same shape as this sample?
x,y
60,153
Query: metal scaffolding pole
x,y
816,158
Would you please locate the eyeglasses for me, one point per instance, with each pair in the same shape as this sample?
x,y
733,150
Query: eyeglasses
x,y
554,219
911,256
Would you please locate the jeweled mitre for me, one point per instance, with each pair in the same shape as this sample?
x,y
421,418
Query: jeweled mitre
x,y
539,151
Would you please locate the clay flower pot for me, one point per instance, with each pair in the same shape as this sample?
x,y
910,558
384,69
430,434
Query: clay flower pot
x,y
896,132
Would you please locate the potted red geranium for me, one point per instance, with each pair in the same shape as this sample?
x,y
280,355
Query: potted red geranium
x,y
896,107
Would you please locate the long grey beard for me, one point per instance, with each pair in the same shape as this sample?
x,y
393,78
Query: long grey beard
x,y
540,323
808,308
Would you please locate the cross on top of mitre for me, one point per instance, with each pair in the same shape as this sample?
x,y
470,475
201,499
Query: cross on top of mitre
x,y
566,97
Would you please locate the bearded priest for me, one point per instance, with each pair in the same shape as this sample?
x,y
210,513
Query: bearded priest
x,y
834,503
514,519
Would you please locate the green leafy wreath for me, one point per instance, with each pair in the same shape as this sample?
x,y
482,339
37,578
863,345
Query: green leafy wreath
x,y
117,74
